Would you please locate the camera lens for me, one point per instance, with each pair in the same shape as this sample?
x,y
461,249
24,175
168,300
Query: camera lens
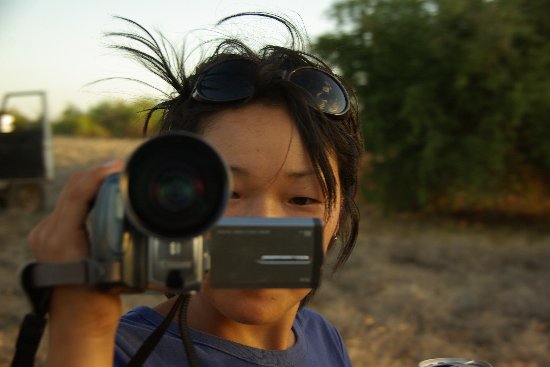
x,y
174,189
175,186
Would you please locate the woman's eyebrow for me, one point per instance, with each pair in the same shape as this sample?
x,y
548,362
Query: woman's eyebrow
x,y
239,171
300,174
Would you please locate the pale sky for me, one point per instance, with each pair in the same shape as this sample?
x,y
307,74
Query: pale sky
x,y
58,45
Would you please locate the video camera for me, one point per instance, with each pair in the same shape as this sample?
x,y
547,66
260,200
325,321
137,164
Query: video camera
x,y
158,226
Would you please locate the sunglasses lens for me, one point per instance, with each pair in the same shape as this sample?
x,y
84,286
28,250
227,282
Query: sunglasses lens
x,y
228,81
329,95
233,80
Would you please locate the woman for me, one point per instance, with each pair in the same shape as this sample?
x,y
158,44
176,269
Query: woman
x,y
289,132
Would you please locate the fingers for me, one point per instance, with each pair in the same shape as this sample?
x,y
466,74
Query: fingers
x,y
62,235
77,196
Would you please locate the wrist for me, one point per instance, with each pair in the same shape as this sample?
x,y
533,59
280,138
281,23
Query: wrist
x,y
84,311
82,324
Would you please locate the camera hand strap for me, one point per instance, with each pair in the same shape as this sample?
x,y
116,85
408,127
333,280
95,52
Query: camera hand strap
x,y
38,280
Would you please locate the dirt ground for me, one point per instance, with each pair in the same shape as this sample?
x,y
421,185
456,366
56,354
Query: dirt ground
x,y
412,290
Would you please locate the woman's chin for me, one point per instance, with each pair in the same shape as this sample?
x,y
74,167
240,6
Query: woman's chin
x,y
257,306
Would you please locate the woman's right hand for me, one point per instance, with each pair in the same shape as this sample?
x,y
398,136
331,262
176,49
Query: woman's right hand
x,y
62,235
82,320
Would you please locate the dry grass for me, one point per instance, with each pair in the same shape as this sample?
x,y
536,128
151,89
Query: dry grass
x,y
416,290
412,290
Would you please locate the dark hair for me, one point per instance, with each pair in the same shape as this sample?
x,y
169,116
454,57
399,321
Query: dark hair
x,y
321,134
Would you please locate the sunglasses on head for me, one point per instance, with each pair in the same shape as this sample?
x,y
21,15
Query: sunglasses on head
x,y
233,80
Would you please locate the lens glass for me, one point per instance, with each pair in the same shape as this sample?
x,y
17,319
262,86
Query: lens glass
x,y
329,95
176,189
177,186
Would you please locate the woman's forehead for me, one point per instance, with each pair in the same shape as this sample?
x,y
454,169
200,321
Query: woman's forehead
x,y
261,140
259,134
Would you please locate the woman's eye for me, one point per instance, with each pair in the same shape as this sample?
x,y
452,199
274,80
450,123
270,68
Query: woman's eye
x,y
302,200
235,195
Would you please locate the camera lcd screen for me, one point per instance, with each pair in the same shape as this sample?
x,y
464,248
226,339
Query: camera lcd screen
x,y
265,253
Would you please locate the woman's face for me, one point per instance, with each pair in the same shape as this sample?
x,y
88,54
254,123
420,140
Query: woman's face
x,y
272,177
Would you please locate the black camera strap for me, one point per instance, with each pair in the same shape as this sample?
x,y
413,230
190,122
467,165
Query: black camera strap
x,y
192,357
33,325
37,281
28,340
180,306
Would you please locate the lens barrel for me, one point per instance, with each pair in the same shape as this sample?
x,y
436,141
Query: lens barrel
x,y
175,186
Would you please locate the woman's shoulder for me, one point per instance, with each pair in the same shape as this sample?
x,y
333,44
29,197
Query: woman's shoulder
x,y
141,315
322,337
307,316
314,325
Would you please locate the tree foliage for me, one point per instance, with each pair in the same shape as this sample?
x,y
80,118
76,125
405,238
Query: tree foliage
x,y
454,94
105,119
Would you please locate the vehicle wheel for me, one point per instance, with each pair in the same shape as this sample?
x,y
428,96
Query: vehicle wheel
x,y
29,197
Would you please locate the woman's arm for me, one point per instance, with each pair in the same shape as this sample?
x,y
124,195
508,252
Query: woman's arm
x,y
82,320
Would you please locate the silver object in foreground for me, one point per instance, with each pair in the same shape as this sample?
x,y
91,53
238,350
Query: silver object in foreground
x,y
453,362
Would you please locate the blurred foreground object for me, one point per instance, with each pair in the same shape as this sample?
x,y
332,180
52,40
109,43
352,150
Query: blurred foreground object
x,y
26,153
453,362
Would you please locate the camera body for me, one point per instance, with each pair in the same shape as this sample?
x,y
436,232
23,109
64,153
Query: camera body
x,y
157,226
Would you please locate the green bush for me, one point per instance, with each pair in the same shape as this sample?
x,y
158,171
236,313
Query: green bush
x,y
454,94
106,119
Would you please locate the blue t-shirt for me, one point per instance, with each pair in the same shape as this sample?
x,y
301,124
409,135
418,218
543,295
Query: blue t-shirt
x,y
318,343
